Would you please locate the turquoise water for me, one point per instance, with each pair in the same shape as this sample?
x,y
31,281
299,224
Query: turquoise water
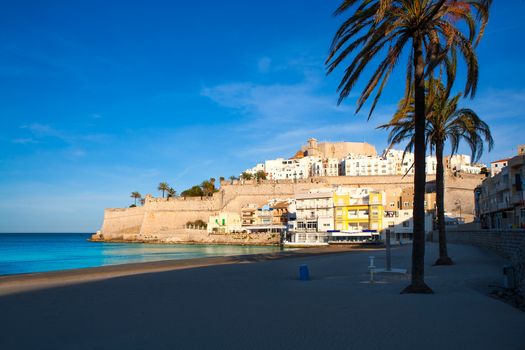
x,y
38,252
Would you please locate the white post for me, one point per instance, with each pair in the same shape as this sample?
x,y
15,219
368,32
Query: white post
x,y
371,268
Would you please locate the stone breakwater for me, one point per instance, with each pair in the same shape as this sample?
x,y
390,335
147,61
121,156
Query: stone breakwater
x,y
194,236
162,221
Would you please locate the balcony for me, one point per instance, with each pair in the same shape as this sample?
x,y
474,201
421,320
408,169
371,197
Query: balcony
x,y
518,198
502,205
502,186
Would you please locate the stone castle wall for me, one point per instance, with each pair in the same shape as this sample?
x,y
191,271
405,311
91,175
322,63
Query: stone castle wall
x,y
160,219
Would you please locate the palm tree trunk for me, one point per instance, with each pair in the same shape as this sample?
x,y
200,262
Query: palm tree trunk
x,y
418,247
444,259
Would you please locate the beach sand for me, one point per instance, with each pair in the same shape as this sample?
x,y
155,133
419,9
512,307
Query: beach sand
x,y
257,302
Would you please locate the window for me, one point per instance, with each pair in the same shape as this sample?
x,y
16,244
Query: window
x,y
406,224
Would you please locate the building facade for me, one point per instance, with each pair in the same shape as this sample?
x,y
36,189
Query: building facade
x,y
224,222
358,209
500,200
314,211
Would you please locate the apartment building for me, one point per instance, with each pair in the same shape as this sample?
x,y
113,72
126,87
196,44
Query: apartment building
x,y
325,167
287,169
358,209
314,211
361,165
500,200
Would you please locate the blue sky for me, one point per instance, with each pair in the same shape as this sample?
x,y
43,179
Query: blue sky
x,y
102,98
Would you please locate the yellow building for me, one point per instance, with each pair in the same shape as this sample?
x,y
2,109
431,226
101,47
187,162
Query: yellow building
x,y
358,209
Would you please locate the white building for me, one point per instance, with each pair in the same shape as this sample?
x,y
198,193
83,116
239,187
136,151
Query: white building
x,y
462,163
325,167
393,162
403,162
401,224
496,166
255,169
360,165
430,165
315,211
287,169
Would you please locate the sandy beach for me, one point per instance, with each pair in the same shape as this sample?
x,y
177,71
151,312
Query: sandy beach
x,y
256,302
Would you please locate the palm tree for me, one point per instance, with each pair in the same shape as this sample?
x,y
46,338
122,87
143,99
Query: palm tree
x,y
163,187
431,31
171,192
136,195
445,122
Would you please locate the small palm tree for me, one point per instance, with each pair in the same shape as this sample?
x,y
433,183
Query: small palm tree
x,y
445,122
432,33
136,195
163,187
171,192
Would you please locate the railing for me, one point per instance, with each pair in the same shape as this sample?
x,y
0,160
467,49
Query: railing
x,y
517,198
310,237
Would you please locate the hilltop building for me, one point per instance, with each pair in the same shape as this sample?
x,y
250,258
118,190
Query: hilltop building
x,y
353,159
336,150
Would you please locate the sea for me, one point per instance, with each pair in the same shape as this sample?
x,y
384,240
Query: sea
x,y
39,252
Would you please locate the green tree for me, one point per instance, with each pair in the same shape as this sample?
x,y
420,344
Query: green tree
x,y
445,123
246,176
432,32
260,175
136,195
208,187
232,178
163,187
195,191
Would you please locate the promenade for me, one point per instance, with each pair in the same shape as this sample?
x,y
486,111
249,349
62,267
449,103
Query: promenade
x,y
251,304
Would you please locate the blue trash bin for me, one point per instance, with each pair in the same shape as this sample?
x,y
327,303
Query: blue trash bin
x,y
304,274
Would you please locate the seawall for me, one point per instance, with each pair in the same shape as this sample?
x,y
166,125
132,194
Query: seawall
x,y
509,244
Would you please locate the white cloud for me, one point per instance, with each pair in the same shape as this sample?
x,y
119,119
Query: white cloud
x,y
24,140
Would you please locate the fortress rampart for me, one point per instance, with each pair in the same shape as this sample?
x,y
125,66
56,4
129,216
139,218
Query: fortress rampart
x,y
163,220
